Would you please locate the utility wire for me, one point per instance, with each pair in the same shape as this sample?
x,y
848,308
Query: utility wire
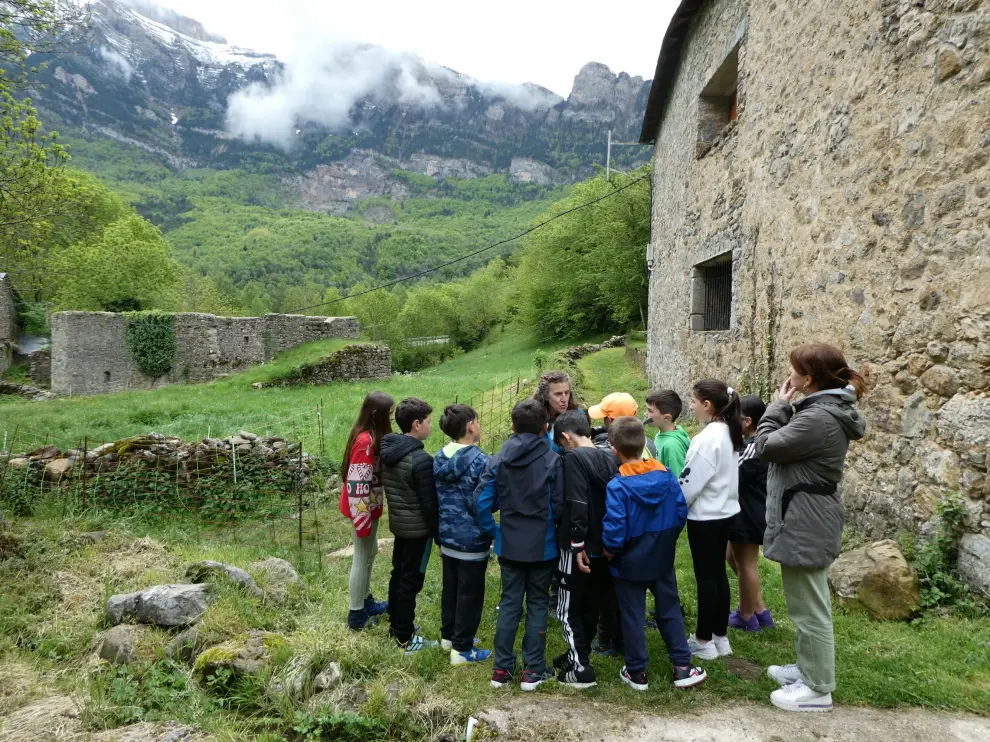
x,y
470,254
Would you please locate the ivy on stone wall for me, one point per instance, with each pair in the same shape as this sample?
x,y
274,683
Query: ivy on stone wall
x,y
150,337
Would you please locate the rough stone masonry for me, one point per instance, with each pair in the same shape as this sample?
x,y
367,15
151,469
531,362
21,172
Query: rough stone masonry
x,y
90,354
830,159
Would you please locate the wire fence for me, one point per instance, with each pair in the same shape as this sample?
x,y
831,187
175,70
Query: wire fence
x,y
494,408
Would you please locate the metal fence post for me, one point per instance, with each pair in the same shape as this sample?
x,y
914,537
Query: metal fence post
x,y
299,493
85,463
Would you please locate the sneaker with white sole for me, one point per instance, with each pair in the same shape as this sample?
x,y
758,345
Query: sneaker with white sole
x,y
687,676
635,680
799,697
722,645
706,651
580,679
785,674
530,680
469,657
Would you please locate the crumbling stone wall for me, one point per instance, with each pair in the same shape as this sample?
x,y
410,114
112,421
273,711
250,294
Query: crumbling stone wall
x,y
351,363
8,311
40,368
90,354
853,195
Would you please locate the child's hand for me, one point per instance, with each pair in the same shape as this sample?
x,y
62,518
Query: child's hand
x,y
583,562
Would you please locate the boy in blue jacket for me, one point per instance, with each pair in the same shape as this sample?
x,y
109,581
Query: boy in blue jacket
x,y
524,482
457,470
645,512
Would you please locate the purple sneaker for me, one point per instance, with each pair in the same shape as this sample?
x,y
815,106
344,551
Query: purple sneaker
x,y
765,619
736,621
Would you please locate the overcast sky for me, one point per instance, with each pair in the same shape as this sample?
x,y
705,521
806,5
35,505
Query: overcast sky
x,y
511,41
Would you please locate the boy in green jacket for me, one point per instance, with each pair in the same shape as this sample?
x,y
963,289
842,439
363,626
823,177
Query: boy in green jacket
x,y
664,407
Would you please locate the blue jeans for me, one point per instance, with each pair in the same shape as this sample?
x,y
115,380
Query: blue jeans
x,y
529,581
632,613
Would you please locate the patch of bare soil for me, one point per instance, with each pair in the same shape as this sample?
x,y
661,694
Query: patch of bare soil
x,y
564,720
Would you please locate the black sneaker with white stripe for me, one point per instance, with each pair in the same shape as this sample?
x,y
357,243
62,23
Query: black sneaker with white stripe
x,y
581,679
686,676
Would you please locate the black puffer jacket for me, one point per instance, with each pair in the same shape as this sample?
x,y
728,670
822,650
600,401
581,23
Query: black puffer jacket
x,y
409,487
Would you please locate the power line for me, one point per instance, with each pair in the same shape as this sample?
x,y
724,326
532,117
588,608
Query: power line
x,y
470,254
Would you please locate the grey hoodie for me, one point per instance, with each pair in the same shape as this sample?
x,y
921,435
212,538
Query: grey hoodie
x,y
805,446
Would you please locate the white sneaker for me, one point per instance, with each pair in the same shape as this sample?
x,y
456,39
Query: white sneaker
x,y
722,645
446,645
799,697
785,674
707,651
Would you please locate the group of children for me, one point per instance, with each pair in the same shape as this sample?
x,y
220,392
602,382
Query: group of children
x,y
593,512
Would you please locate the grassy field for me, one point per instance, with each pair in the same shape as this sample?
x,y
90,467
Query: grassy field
x,y
52,592
229,405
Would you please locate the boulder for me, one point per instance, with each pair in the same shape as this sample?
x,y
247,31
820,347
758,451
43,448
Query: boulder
x,y
57,468
278,576
125,644
245,654
188,644
162,605
304,676
877,578
973,564
209,570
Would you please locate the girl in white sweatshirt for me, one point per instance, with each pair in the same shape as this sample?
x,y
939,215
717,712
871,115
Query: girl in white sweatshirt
x,y
710,482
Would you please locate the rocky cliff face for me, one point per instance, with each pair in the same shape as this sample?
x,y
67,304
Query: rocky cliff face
x,y
158,80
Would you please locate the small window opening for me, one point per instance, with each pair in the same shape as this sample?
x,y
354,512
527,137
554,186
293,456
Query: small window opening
x,y
247,339
106,376
711,301
718,105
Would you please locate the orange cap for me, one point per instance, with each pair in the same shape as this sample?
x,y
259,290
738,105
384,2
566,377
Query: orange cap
x,y
617,404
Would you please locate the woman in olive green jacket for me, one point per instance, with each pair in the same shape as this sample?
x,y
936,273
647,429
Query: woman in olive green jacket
x,y
805,444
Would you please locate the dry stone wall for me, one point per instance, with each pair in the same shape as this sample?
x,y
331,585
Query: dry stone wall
x,y
351,363
853,196
90,354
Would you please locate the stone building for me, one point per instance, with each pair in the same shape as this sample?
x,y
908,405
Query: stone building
x,y
89,353
8,322
821,175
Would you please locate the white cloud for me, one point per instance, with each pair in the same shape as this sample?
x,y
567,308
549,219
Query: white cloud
x,y
117,62
321,84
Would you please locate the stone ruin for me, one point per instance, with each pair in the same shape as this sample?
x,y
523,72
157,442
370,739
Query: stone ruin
x,y
90,353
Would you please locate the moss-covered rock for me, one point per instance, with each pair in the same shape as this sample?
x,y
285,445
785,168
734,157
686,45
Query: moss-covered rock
x,y
245,654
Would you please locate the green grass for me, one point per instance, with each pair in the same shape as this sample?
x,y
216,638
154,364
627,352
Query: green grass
x,y
51,598
612,371
228,405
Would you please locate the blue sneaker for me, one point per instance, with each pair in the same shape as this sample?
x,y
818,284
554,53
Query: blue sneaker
x,y
357,620
373,608
471,656
418,644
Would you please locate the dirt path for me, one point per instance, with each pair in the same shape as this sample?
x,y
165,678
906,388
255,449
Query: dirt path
x,y
563,720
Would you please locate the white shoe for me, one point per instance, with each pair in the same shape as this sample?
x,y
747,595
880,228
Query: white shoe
x,y
446,645
722,645
799,697
707,651
785,674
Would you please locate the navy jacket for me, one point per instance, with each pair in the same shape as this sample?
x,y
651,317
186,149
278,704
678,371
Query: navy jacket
x,y
457,478
524,481
645,512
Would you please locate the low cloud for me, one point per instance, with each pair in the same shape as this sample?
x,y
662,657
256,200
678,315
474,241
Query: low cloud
x,y
322,83
117,62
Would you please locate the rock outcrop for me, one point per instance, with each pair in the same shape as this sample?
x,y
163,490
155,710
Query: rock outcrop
x,y
878,579
167,606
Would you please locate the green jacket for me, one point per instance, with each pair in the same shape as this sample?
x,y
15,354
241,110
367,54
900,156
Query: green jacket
x,y
672,447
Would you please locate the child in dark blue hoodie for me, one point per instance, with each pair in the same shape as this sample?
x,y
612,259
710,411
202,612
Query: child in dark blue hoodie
x,y
457,470
524,481
645,512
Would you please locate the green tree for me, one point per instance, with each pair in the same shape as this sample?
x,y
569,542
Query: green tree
x,y
126,267
30,157
377,311
586,272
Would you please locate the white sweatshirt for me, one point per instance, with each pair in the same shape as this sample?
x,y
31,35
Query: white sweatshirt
x,y
710,479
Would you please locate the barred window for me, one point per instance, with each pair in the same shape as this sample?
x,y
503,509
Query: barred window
x,y
711,301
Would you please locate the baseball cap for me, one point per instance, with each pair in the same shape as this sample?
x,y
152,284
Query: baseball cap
x,y
617,404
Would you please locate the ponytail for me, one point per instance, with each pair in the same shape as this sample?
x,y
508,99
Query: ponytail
x,y
725,401
827,367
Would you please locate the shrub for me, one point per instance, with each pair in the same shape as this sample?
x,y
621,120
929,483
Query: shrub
x,y
150,336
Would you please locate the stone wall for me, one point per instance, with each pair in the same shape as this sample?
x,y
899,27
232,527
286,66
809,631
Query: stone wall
x,y
90,354
8,311
853,196
351,363
40,367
